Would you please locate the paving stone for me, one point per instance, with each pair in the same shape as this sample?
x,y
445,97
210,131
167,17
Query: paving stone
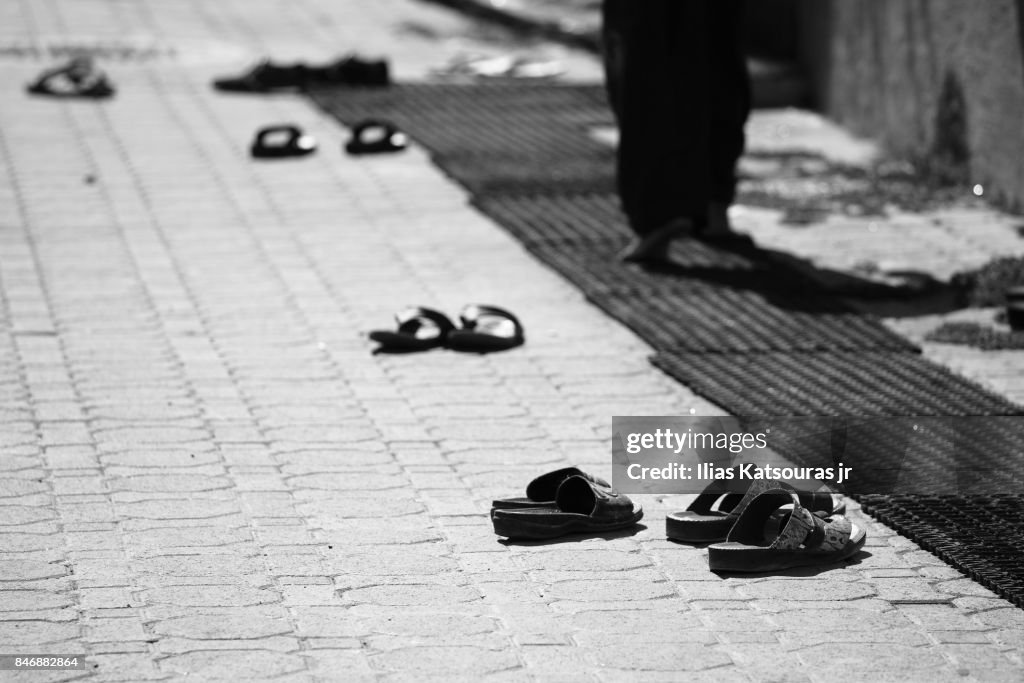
x,y
893,659
210,596
427,660
37,633
232,664
807,589
29,570
411,594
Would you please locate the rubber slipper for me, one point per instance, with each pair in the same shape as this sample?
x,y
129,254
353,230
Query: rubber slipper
x,y
265,76
762,540
376,137
486,328
419,329
353,70
713,513
581,506
277,142
541,491
77,78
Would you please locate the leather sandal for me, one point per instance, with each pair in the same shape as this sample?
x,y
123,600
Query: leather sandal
x,y
713,513
581,506
541,491
776,532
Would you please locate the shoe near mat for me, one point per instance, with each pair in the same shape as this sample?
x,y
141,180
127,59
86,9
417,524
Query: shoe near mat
x,y
710,517
79,77
283,141
581,506
265,76
541,491
374,136
776,532
352,70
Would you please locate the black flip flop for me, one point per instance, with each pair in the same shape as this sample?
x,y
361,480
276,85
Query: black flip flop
x,y
78,78
541,491
486,328
419,329
376,137
278,142
581,506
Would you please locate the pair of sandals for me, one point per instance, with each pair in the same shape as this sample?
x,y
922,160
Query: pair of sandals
x,y
78,78
288,140
768,527
484,329
566,501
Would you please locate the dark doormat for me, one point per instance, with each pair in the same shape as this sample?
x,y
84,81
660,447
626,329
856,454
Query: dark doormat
x,y
737,327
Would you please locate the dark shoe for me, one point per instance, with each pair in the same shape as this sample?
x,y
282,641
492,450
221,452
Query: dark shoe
x,y
276,142
353,70
757,543
376,137
709,518
486,328
581,506
77,78
419,329
265,77
541,491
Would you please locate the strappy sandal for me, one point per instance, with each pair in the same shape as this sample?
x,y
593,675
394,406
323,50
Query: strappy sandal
x,y
78,78
277,142
541,491
776,532
713,513
486,328
581,506
376,137
419,329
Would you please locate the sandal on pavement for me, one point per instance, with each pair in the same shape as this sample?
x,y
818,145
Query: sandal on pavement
x,y
763,541
486,328
352,70
77,78
276,142
541,491
376,137
264,77
713,513
419,329
581,506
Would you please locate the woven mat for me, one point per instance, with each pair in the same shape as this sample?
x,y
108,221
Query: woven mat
x,y
737,328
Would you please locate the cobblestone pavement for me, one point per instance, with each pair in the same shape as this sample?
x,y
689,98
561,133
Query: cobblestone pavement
x,y
206,472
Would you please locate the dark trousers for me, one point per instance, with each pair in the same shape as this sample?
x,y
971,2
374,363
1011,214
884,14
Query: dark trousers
x,y
678,83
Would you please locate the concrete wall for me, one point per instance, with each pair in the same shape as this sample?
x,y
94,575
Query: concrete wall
x,y
943,78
